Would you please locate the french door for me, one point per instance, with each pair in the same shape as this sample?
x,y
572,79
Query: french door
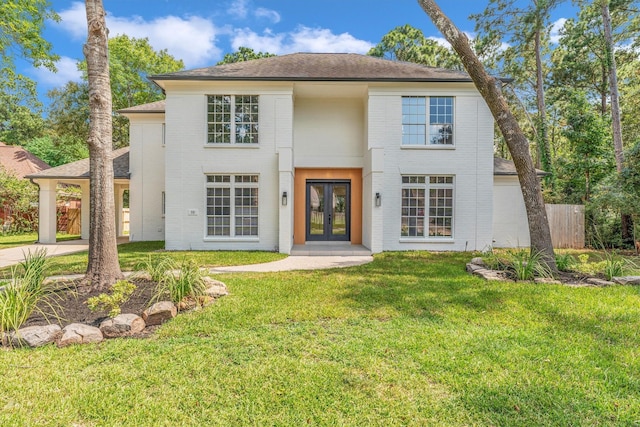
x,y
328,210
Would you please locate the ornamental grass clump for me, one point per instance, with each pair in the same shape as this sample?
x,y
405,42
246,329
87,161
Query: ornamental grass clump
x,y
185,280
156,267
26,293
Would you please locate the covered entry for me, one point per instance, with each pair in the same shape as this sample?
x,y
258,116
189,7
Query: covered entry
x,y
77,173
327,205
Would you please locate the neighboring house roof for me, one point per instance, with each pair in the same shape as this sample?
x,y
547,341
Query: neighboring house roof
x,y
19,162
152,107
507,167
80,169
320,67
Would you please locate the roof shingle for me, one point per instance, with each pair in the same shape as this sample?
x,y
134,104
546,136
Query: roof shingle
x,y
19,162
319,67
80,168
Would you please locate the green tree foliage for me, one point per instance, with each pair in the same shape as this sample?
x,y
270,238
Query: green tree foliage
x,y
58,150
131,60
69,110
21,25
524,27
20,118
409,44
588,158
243,54
18,199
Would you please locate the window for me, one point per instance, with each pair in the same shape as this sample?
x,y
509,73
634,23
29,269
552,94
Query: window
x,y
427,206
232,119
416,119
232,205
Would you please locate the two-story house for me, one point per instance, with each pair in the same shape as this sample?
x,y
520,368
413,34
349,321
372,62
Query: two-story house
x,y
303,149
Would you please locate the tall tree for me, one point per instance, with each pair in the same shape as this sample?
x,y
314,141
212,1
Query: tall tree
x,y
103,268
131,60
243,54
489,88
409,44
21,26
525,27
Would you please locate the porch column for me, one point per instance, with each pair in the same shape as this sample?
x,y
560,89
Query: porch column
x,y
47,219
285,223
85,210
377,208
118,192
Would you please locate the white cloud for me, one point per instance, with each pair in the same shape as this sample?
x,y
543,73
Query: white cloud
x,y
74,20
269,14
191,39
238,8
556,29
303,39
67,71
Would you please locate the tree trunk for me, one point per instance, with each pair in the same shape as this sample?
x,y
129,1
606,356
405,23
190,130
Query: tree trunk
x,y
543,134
616,123
103,268
489,88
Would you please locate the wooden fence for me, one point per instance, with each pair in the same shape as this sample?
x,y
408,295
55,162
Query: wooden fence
x,y
567,225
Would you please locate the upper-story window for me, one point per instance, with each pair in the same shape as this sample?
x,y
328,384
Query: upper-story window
x,y
422,126
232,119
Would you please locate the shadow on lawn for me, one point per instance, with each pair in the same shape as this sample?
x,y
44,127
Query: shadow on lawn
x,y
420,284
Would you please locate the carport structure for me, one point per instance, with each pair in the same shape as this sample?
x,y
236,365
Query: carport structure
x,y
77,173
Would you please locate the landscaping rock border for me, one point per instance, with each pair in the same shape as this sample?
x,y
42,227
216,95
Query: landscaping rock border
x,y
478,267
123,325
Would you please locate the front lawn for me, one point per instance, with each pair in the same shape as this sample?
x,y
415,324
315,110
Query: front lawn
x,y
132,254
13,240
409,339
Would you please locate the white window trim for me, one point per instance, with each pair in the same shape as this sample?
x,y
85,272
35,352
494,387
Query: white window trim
x,y
233,143
231,185
426,145
427,186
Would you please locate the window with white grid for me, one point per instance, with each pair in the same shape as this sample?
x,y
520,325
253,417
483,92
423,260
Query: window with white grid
x,y
427,217
232,205
417,118
232,119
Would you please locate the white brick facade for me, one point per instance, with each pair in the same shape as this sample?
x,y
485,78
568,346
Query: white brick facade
x,y
356,125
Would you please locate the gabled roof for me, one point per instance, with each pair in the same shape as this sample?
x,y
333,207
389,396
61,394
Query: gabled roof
x,y
507,167
80,168
19,162
319,67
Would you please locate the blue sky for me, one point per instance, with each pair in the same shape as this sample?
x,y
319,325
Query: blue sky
x,y
201,32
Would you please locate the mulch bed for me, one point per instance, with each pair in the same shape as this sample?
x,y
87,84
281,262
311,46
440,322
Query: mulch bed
x,y
70,305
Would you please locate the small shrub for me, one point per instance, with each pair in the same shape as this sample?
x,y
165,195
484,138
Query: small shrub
x,y
185,281
120,293
565,262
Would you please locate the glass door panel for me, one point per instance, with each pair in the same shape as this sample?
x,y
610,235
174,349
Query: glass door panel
x,y
316,207
328,210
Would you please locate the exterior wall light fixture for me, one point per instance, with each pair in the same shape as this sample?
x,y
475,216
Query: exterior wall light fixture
x,y
284,198
378,199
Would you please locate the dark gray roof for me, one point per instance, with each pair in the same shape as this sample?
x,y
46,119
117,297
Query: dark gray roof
x,y
319,67
80,169
507,167
152,107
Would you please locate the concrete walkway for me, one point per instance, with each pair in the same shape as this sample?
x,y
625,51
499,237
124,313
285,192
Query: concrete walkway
x,y
15,255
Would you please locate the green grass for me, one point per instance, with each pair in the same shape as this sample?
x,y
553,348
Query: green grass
x,y
13,240
132,254
408,340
